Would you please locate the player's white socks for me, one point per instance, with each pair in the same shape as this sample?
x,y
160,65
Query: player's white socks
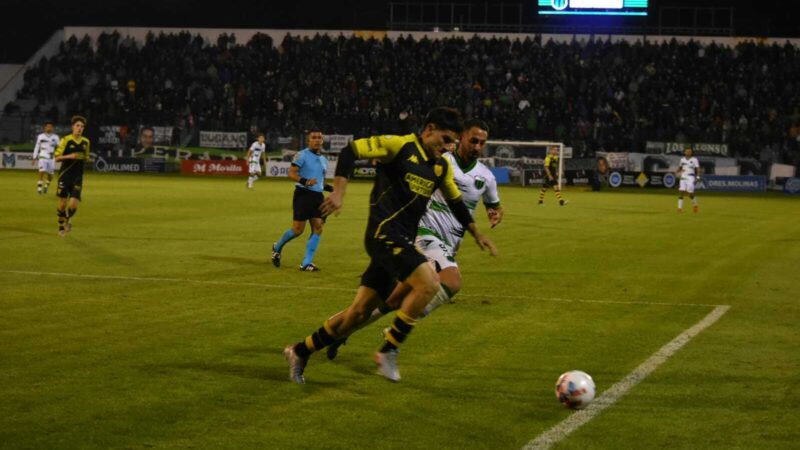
x,y
694,201
441,297
680,203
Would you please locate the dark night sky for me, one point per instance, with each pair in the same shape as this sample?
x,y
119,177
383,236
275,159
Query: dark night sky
x,y
30,22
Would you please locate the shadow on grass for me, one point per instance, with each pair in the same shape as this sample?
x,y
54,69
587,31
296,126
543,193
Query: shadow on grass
x,y
27,231
250,262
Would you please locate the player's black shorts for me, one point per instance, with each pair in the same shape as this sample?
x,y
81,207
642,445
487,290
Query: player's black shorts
x,y
306,204
550,183
69,189
392,258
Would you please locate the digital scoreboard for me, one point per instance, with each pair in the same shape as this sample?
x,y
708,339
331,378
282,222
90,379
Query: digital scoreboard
x,y
593,7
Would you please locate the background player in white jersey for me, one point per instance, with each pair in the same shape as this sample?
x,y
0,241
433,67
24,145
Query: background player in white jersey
x,y
689,172
46,144
439,233
254,157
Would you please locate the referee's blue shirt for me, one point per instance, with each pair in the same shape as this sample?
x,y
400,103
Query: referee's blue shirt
x,y
311,166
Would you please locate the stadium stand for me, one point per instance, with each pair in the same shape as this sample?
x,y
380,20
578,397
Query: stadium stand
x,y
595,95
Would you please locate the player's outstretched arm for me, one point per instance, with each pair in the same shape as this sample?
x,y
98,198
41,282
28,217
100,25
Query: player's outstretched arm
x,y
483,242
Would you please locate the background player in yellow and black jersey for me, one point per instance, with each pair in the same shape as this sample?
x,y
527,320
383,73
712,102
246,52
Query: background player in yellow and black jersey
x,y
409,170
72,152
551,176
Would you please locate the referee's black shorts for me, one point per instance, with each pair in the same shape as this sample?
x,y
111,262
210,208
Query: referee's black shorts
x,y
306,204
392,258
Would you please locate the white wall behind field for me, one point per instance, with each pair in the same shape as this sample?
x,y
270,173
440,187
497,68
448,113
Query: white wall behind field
x,y
244,35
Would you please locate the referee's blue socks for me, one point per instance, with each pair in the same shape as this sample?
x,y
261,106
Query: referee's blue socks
x,y
311,249
288,236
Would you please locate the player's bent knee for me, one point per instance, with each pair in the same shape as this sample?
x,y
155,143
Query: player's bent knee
x,y
451,279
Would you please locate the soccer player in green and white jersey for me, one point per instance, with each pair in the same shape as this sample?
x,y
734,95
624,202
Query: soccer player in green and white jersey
x,y
439,233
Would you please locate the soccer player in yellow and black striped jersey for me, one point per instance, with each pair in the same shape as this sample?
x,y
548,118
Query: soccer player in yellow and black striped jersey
x,y
409,170
72,152
550,174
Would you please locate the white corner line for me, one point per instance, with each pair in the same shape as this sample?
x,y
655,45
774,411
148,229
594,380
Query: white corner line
x,y
614,393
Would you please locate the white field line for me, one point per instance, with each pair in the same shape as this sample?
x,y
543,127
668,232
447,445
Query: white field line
x,y
329,288
615,392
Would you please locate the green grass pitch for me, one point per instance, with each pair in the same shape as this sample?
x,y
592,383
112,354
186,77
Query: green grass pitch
x,y
172,336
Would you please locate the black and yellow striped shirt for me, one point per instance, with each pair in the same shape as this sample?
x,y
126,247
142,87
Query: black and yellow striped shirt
x,y
406,179
72,169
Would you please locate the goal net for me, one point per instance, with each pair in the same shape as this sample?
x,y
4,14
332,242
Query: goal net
x,y
525,159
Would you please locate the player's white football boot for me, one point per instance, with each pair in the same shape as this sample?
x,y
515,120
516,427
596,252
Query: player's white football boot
x,y
296,365
387,364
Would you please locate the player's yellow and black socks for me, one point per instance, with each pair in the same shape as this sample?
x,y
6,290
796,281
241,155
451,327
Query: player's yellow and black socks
x,y
541,194
401,327
558,196
71,212
317,341
62,219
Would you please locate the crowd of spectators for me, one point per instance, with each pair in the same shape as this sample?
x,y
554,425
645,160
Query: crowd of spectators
x,y
594,95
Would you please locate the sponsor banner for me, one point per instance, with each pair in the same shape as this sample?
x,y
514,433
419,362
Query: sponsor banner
x,y
781,171
792,186
699,148
166,154
154,165
220,139
570,177
364,169
112,135
161,135
614,160
223,167
129,165
643,162
335,142
278,168
281,169
618,178
755,183
17,161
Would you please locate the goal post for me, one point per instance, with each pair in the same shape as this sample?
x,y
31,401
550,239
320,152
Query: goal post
x,y
526,155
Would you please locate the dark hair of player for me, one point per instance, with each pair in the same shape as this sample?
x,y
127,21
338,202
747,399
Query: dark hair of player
x,y
476,123
76,119
445,118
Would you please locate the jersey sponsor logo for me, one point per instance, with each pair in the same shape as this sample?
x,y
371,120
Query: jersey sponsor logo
x,y
413,158
419,185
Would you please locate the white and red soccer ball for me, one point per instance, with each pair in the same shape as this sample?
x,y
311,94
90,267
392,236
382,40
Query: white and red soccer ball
x,y
575,389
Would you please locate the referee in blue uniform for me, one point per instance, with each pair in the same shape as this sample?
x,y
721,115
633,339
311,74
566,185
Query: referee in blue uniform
x,y
308,170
